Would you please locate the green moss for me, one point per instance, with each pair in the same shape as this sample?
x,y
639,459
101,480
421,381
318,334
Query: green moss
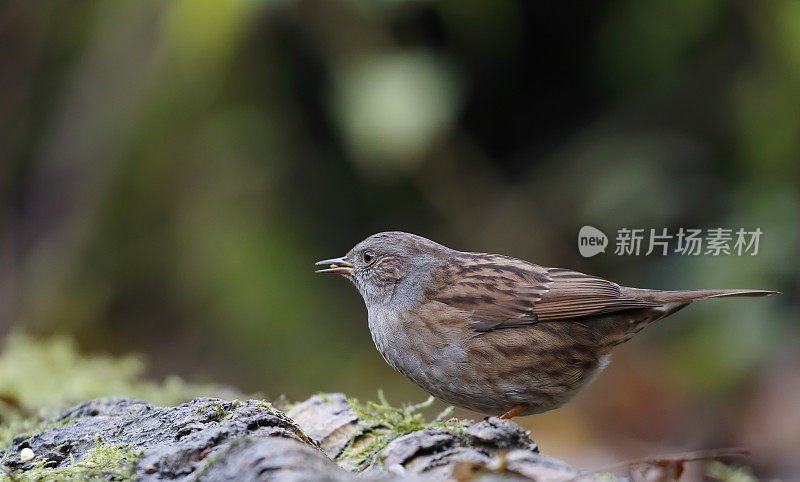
x,y
43,372
216,411
104,461
269,406
26,427
299,431
41,377
716,470
380,423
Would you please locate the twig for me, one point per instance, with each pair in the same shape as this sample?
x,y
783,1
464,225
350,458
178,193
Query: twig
x,y
678,458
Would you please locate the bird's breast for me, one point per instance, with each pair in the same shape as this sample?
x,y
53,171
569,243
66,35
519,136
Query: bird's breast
x,y
424,351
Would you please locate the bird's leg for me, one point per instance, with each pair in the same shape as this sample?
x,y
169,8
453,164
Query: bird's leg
x,y
513,412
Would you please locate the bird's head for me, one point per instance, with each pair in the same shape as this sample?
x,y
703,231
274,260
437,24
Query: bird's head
x,y
388,268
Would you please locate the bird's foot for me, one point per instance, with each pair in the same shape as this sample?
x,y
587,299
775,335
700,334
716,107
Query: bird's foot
x,y
513,412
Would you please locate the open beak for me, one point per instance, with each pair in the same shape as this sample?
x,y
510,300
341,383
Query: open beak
x,y
337,266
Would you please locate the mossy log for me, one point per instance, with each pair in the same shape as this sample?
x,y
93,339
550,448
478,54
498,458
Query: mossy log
x,y
323,438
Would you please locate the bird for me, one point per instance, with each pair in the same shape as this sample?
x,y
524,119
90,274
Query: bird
x,y
492,333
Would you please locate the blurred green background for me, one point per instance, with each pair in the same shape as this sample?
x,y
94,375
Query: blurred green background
x,y
171,170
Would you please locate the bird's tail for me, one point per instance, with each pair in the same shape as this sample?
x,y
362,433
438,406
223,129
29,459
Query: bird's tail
x,y
687,296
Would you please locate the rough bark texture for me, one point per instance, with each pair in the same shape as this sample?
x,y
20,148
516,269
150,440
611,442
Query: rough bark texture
x,y
211,439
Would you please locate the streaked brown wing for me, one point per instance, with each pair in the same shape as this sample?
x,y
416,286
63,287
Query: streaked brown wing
x,y
502,292
574,295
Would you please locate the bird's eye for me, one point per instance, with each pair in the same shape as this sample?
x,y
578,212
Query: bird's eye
x,y
368,256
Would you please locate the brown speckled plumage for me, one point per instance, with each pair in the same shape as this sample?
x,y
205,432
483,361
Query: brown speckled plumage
x,y
493,333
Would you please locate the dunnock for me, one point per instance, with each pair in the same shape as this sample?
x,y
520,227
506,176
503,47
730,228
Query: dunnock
x,y
492,333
